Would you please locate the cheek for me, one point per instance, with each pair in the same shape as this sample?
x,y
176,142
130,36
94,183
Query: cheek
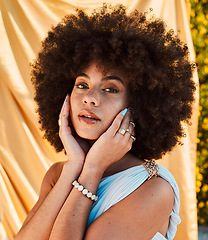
x,y
74,101
120,105
73,106
115,109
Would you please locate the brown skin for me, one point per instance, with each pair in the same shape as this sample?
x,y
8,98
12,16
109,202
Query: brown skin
x,y
61,211
105,97
154,59
144,214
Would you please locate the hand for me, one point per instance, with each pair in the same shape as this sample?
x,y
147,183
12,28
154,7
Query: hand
x,y
71,144
111,146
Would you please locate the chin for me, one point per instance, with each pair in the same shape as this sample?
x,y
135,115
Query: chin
x,y
89,136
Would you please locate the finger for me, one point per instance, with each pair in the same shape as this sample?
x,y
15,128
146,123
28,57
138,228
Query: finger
x,y
117,122
133,132
124,127
132,123
125,122
132,137
65,112
130,129
62,108
131,126
126,131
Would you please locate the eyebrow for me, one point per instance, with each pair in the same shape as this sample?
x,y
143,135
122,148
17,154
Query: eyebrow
x,y
103,79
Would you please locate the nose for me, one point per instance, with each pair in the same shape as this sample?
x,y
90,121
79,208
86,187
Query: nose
x,y
91,98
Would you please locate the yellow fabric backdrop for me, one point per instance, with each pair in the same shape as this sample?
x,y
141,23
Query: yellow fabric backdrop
x,y
24,155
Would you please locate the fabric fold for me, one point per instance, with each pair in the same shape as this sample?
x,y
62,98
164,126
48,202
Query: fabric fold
x,y
114,188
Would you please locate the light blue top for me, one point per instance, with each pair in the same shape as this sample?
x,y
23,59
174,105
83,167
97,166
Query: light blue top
x,y
116,187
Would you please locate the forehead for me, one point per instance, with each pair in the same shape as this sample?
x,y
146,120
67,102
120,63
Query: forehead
x,y
106,71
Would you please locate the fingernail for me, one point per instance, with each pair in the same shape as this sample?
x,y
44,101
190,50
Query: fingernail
x,y
66,99
124,112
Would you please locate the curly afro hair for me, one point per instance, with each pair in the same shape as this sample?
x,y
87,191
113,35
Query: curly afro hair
x,y
156,62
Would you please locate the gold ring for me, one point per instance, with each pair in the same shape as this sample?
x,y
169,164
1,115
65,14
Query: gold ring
x,y
59,122
132,123
121,131
133,137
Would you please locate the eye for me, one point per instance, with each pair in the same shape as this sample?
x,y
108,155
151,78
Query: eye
x,y
110,90
81,86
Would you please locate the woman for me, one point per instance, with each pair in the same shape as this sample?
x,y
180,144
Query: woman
x,y
127,84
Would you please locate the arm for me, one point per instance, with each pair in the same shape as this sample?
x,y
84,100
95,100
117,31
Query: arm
x,y
40,221
72,219
109,148
141,215
62,213
49,180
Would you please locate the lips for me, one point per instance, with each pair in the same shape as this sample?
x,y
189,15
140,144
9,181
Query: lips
x,y
88,117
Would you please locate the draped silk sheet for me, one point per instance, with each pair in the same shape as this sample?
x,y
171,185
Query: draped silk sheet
x,y
24,155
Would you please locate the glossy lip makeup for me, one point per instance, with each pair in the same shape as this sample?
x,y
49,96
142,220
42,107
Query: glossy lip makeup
x,y
88,117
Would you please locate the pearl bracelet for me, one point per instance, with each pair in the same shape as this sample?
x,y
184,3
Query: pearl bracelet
x,y
84,191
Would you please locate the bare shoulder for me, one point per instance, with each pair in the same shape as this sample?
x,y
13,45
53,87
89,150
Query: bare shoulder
x,y
158,188
52,175
141,215
49,180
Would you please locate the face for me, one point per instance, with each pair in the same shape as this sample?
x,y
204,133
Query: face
x,y
96,99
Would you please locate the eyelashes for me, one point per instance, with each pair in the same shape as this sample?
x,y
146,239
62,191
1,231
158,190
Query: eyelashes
x,y
106,89
110,90
81,86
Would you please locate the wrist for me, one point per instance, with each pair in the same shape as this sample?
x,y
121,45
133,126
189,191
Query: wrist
x,y
95,164
90,178
72,169
92,170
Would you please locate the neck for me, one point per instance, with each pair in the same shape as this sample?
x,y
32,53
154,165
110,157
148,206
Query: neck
x,y
127,161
